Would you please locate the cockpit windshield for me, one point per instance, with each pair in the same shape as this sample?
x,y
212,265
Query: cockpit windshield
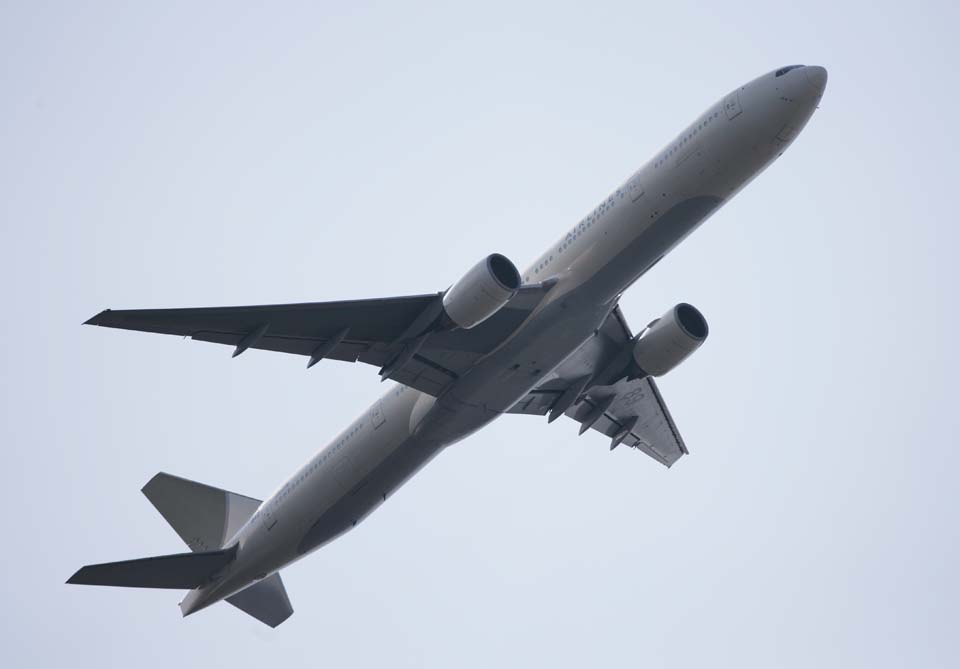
x,y
783,70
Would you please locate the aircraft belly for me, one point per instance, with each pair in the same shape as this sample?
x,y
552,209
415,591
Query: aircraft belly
x,y
328,478
369,492
508,374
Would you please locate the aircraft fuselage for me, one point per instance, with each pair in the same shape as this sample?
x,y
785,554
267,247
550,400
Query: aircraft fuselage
x,y
588,269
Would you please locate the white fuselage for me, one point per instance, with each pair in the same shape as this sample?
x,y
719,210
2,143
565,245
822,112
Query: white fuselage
x,y
591,265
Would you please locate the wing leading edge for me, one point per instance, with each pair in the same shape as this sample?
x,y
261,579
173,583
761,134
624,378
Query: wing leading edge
x,y
392,333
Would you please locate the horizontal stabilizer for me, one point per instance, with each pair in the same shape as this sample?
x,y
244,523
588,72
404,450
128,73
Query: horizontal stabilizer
x,y
183,571
265,600
206,518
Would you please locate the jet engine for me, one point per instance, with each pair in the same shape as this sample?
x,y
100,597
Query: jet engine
x,y
668,340
481,292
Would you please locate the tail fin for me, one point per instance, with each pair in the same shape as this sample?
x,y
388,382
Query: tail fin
x,y
206,518
265,600
183,571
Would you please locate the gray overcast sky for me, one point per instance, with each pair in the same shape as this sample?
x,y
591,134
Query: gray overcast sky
x,y
199,154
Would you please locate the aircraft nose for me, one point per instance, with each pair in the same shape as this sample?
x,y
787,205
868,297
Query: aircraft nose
x,y
816,77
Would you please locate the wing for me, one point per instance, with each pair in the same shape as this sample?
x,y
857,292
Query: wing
x,y
629,411
391,333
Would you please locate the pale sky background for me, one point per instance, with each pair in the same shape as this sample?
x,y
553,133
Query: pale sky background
x,y
201,154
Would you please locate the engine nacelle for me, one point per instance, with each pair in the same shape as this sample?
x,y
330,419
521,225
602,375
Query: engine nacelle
x,y
481,292
668,340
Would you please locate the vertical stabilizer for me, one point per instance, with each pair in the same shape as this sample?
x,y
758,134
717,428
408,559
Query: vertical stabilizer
x,y
205,517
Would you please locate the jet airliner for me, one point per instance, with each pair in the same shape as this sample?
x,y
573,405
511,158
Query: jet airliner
x,y
550,341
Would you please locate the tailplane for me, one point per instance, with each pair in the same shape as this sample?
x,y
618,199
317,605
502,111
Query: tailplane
x,y
265,600
207,519
183,571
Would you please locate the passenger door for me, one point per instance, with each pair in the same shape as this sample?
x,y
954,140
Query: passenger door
x,y
731,105
376,415
269,521
635,189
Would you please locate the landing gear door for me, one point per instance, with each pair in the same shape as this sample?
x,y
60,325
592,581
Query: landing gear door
x,y
731,105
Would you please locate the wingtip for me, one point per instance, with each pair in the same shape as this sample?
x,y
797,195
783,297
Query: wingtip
x,y
97,319
153,481
276,624
76,578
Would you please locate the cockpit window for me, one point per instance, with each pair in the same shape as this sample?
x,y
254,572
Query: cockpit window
x,y
783,70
